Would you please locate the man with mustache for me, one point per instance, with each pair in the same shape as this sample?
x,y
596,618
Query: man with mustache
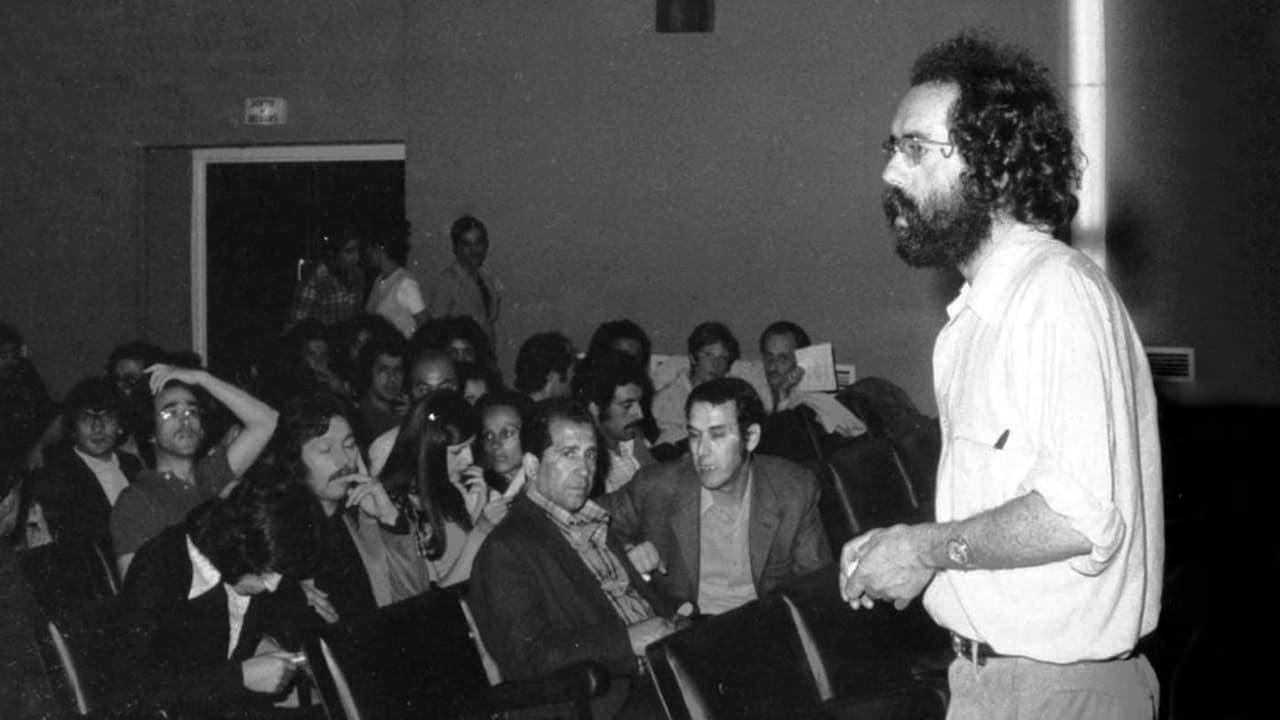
x,y
615,388
181,479
552,586
721,526
368,557
1045,562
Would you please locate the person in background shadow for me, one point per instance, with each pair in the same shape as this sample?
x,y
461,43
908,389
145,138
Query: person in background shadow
x,y
334,290
395,295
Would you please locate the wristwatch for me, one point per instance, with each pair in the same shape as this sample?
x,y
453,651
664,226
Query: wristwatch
x,y
958,552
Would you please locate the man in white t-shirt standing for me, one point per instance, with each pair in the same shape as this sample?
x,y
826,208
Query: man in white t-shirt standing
x,y
1047,558
395,295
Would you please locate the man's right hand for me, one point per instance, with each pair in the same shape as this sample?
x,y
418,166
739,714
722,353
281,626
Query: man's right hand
x,y
646,559
647,631
269,672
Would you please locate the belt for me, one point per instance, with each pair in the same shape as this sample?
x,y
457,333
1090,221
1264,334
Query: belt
x,y
979,652
973,650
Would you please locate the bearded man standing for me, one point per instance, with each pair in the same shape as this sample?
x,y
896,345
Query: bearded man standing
x,y
1046,560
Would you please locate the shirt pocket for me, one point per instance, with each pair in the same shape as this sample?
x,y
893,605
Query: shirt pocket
x,y
986,464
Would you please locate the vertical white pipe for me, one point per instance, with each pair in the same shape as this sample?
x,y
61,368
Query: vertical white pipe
x,y
1088,97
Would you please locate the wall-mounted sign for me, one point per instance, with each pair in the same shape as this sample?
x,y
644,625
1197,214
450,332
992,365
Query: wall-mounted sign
x,y
265,111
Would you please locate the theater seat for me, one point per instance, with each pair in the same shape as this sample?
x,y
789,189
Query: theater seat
x,y
417,658
796,653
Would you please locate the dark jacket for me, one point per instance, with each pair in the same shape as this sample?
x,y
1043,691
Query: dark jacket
x,y
172,651
73,502
661,505
538,606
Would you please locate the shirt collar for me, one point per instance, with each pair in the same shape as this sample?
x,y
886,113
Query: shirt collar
x,y
589,514
95,464
989,293
204,576
707,499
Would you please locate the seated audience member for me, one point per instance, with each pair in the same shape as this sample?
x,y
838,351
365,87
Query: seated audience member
x,y
431,477
477,381
431,371
81,481
201,634
552,585
544,366
352,335
628,337
712,351
125,369
25,407
127,366
623,336
728,525
463,288
308,350
459,335
368,558
778,345
181,478
614,386
395,296
333,291
501,454
379,384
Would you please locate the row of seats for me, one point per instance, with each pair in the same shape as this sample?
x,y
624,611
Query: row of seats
x,y
802,653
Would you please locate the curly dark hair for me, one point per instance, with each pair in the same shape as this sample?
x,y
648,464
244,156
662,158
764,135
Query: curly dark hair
x,y
1011,126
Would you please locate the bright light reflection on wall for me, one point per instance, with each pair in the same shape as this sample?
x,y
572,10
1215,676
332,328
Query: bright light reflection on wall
x,y
1088,86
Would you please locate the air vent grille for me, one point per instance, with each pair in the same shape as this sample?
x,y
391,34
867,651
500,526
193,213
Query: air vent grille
x,y
1172,364
845,375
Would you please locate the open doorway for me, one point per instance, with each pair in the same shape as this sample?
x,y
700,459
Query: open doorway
x,y
257,218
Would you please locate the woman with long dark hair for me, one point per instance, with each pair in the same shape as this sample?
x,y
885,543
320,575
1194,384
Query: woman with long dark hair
x,y
430,474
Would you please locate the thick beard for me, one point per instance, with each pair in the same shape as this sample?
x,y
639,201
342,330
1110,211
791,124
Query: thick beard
x,y
943,236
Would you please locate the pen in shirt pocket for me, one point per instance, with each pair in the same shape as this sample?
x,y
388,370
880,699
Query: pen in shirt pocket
x,y
1004,438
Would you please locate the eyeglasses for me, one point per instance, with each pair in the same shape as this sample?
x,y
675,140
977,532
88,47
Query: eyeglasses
x,y
914,148
186,413
505,435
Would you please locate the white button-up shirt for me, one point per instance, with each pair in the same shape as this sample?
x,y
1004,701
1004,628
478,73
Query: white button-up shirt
x,y
1043,386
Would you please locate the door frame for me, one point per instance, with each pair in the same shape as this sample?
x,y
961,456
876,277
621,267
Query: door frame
x,y
202,158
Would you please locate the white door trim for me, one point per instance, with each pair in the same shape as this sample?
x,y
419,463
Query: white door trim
x,y
202,158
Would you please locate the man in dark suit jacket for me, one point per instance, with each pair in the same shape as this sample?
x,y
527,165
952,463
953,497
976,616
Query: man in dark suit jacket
x,y
552,586
727,526
189,586
80,481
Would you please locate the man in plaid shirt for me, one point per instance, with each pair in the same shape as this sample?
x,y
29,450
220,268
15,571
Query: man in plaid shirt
x,y
334,291
552,586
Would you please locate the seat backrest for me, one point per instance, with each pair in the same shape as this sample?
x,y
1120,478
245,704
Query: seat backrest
x,y
70,672
870,484
863,653
918,450
413,658
746,663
